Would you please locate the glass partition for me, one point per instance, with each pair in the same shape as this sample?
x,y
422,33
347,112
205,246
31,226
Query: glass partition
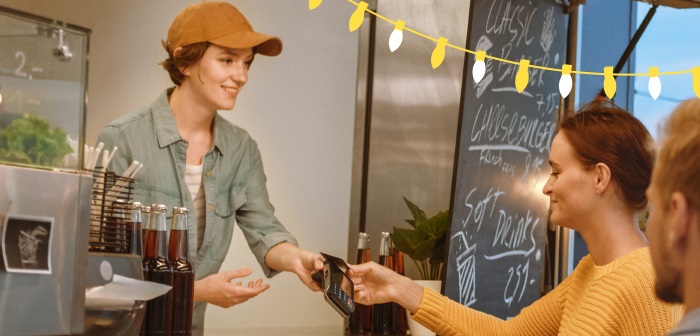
x,y
43,91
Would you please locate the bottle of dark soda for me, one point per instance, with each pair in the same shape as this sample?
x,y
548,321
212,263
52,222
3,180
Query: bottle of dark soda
x,y
360,321
382,313
399,323
183,274
158,268
146,236
145,228
133,224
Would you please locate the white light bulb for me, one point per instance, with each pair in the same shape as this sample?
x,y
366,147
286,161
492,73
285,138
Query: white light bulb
x,y
654,82
565,82
479,68
395,40
396,36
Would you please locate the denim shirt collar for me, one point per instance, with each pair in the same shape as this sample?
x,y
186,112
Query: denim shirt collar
x,y
165,127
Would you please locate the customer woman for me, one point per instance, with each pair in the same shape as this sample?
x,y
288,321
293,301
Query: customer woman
x,y
195,158
600,170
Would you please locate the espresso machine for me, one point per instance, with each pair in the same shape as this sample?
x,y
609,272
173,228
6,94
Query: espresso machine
x,y
55,234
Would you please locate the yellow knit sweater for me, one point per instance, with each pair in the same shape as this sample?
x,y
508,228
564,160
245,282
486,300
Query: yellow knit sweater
x,y
614,299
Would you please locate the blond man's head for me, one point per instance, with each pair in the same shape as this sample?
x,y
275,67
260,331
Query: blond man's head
x,y
674,198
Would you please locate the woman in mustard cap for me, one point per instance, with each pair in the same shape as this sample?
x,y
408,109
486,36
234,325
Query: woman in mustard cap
x,y
600,171
192,157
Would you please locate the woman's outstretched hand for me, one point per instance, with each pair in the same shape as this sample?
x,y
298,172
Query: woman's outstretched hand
x,y
377,284
219,289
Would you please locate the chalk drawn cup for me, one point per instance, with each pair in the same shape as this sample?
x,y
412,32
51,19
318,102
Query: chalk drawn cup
x,y
416,328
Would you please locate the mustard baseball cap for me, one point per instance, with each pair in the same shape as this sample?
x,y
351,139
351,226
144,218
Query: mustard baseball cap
x,y
222,24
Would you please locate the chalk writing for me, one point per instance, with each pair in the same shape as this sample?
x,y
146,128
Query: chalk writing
x,y
535,165
501,18
548,32
481,206
517,280
520,130
508,168
491,157
514,236
547,104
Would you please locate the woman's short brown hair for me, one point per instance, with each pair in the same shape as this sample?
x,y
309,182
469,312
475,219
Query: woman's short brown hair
x,y
601,132
189,54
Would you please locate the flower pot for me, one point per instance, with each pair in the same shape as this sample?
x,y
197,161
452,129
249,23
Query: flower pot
x,y
416,328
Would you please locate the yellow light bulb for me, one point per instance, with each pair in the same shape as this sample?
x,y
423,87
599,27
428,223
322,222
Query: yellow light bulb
x,y
396,36
523,76
609,84
438,53
479,68
654,83
565,82
314,3
357,17
696,80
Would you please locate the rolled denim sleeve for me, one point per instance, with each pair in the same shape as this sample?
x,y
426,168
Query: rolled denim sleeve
x,y
256,216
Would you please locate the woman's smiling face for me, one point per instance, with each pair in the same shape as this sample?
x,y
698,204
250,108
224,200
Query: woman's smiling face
x,y
219,76
569,187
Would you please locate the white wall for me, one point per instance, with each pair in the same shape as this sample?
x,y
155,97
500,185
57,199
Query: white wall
x,y
299,106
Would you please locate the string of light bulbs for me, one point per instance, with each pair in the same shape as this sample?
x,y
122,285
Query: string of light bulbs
x,y
522,77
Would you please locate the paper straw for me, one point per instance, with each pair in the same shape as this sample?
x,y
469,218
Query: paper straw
x,y
133,174
130,170
111,155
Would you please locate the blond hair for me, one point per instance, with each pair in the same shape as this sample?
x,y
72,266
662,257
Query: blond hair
x,y
678,154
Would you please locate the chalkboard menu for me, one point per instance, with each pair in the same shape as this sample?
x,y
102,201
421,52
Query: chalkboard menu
x,y
498,213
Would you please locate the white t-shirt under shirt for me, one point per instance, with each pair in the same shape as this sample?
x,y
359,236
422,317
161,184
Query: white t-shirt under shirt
x,y
193,178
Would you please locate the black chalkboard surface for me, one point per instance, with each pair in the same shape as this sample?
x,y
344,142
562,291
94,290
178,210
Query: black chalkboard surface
x,y
498,219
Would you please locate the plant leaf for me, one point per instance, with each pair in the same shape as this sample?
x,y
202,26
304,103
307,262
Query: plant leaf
x,y
407,240
424,249
416,212
438,256
435,226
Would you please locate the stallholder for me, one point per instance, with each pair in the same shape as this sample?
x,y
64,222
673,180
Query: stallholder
x,y
337,288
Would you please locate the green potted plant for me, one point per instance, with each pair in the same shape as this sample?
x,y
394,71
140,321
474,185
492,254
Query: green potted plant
x,y
424,242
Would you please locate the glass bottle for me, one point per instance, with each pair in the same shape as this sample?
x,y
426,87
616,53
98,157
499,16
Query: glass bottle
x,y
145,234
133,224
381,313
360,321
158,268
399,323
183,274
145,228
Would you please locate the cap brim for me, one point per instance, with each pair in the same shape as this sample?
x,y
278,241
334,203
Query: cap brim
x,y
261,43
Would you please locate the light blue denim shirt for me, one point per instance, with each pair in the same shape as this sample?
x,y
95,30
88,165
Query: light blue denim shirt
x,y
689,325
233,180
